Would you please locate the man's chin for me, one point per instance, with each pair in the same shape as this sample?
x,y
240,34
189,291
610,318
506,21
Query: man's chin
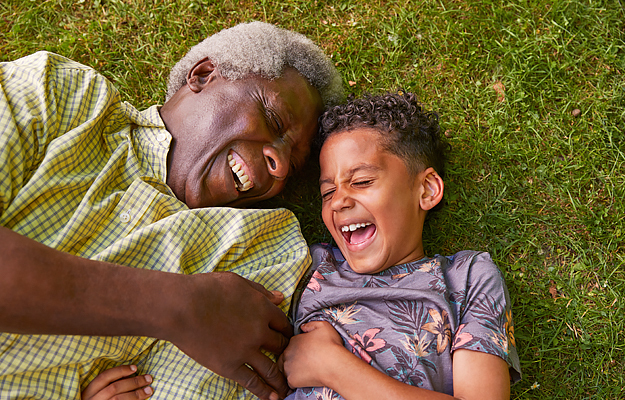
x,y
242,202
246,201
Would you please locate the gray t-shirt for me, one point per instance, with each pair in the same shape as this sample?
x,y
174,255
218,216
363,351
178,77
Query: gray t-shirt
x,y
406,321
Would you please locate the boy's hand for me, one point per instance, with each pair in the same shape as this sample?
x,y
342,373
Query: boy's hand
x,y
113,384
309,356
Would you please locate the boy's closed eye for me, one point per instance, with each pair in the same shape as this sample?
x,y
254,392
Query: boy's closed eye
x,y
327,195
363,183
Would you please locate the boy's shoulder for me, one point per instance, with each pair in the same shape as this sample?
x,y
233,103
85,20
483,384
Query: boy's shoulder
x,y
471,261
473,272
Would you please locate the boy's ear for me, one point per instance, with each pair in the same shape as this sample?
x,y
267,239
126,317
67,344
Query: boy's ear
x,y
433,188
200,74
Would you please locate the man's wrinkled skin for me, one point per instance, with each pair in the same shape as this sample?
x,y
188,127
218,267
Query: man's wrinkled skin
x,y
269,124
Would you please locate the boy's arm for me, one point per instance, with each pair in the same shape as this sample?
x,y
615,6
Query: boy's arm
x,y
480,375
220,319
318,358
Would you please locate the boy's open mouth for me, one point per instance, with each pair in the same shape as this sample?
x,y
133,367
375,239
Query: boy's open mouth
x,y
358,233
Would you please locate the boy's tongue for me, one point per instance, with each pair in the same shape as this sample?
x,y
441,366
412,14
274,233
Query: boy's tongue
x,y
361,234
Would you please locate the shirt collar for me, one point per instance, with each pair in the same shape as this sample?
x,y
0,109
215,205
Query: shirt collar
x,y
151,141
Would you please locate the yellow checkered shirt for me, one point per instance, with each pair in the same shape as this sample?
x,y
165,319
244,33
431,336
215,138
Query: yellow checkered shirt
x,y
84,172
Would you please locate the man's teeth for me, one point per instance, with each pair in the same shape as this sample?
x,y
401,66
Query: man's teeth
x,y
353,227
246,184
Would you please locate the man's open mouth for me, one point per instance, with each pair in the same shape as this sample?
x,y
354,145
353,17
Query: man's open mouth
x,y
239,172
358,233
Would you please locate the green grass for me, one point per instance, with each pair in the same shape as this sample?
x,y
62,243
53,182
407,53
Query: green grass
x,y
541,189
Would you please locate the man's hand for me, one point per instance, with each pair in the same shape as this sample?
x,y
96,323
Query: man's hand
x,y
224,326
220,319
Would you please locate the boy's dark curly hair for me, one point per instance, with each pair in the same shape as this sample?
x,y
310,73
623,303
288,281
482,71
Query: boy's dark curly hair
x,y
405,129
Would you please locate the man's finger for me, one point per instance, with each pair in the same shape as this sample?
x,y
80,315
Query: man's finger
x,y
280,363
261,289
278,321
278,297
275,296
269,372
275,342
251,380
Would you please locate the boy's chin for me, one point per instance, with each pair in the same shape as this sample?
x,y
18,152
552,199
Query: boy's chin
x,y
363,266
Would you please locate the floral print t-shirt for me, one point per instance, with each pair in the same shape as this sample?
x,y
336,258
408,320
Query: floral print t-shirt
x,y
407,321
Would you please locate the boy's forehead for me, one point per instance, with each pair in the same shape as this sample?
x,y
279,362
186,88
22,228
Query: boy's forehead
x,y
352,151
358,135
349,141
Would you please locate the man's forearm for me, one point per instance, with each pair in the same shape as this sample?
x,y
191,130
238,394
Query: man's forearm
x,y
220,319
45,291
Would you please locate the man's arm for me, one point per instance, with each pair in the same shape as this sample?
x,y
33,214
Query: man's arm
x,y
219,319
318,358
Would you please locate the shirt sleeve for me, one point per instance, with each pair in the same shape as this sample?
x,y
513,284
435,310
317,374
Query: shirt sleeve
x,y
486,323
21,108
42,96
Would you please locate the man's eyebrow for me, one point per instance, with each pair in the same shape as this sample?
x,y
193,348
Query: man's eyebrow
x,y
357,168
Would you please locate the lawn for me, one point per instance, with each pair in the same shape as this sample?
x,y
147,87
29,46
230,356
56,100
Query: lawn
x,y
531,95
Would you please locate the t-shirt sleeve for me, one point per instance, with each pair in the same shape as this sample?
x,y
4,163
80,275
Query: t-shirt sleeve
x,y
485,322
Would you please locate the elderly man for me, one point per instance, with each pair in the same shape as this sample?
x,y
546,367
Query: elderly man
x,y
90,186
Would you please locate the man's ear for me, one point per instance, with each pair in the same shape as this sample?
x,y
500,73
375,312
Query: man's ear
x,y
201,74
433,188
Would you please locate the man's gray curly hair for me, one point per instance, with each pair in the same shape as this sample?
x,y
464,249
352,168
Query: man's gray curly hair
x,y
263,49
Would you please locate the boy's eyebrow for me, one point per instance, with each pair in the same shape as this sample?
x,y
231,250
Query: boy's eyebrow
x,y
357,168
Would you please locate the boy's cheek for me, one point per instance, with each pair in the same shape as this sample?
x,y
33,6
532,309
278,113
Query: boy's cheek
x,y
338,239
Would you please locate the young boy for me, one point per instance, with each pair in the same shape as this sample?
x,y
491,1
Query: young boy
x,y
390,322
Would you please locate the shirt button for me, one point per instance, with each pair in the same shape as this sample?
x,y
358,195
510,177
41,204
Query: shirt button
x,y
124,217
161,137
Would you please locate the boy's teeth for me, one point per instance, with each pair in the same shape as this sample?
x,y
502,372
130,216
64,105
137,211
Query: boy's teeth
x,y
353,227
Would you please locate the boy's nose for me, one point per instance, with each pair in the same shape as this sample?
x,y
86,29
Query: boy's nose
x,y
341,200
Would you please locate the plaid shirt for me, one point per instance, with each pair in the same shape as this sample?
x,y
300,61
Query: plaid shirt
x,y
84,172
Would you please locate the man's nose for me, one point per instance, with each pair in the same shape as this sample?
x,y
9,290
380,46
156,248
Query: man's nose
x,y
277,157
